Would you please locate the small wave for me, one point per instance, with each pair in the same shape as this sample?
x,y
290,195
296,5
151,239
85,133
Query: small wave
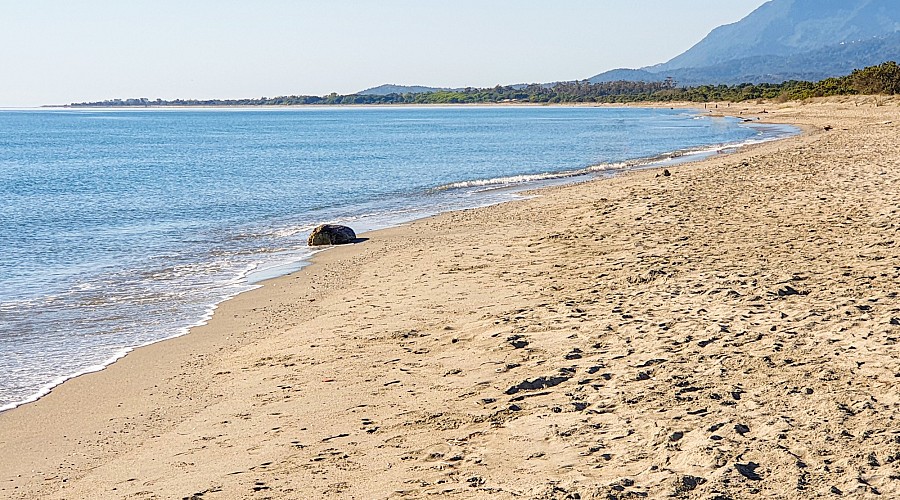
x,y
273,233
122,352
764,134
525,178
565,174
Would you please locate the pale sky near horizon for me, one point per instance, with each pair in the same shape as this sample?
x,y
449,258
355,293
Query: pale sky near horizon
x,y
58,51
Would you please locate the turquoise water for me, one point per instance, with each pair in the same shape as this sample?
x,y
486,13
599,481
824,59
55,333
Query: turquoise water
x,y
121,228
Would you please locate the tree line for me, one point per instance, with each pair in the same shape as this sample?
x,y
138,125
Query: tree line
x,y
881,79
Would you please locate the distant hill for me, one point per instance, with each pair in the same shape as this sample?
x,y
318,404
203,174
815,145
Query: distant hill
x,y
388,89
784,40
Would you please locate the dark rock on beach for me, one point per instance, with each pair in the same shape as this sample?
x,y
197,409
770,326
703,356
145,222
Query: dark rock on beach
x,y
331,234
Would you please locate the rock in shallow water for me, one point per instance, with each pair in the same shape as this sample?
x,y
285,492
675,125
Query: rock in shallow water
x,y
331,234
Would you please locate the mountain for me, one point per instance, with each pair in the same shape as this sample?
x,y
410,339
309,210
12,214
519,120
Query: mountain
x,y
627,75
399,89
785,39
834,60
790,27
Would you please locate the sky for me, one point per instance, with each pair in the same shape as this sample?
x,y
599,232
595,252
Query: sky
x,y
62,51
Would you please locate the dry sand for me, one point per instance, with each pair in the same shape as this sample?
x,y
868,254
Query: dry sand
x,y
729,331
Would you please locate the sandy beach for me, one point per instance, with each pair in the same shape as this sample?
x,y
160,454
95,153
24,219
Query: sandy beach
x,y
728,331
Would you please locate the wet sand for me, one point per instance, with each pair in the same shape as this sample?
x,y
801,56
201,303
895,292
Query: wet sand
x,y
727,331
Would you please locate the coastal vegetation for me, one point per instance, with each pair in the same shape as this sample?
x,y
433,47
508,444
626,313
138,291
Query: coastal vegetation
x,y
881,79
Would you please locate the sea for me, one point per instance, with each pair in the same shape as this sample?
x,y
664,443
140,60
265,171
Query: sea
x,y
124,227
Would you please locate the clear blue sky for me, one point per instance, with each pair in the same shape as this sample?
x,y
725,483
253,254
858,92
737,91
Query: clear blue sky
x,y
60,51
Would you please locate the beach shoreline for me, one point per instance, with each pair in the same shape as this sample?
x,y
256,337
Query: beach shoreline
x,y
203,403
482,191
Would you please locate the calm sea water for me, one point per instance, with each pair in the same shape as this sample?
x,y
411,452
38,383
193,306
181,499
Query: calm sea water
x,y
121,228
